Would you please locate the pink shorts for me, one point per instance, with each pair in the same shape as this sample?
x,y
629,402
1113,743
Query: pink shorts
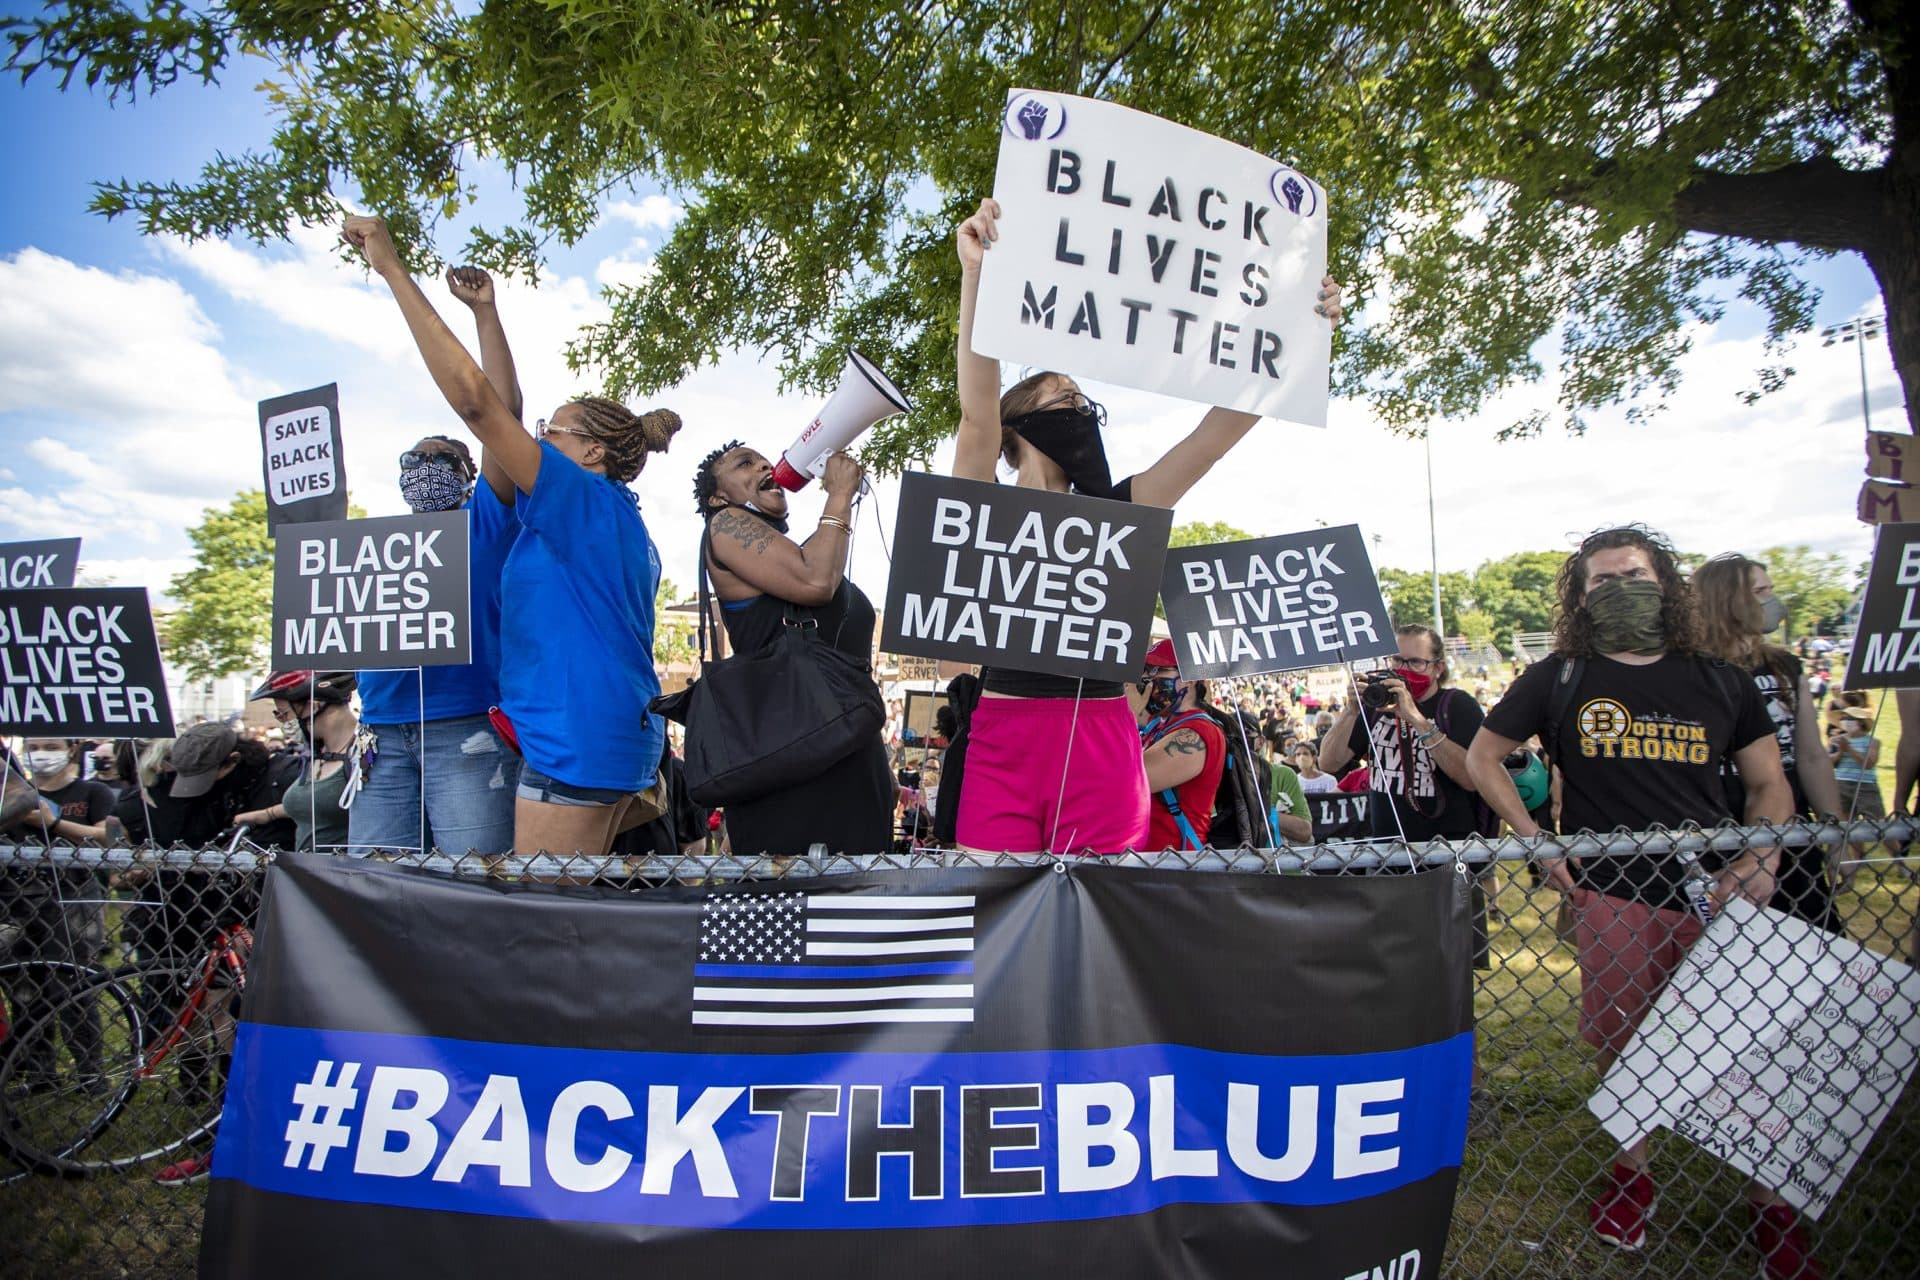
x,y
1020,752
1628,950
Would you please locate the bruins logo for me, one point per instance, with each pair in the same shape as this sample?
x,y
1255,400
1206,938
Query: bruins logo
x,y
1605,718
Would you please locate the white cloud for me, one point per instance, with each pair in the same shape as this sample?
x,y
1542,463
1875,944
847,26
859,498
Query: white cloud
x,y
647,213
61,457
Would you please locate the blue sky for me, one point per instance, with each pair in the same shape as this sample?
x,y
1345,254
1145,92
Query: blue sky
x,y
128,369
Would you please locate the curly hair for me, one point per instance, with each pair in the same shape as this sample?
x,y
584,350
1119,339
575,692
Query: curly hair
x,y
1729,614
1573,625
626,436
705,482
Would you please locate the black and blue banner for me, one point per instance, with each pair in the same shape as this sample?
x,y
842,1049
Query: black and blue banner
x,y
1081,1070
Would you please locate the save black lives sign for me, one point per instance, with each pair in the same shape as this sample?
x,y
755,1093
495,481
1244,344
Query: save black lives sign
x,y
1886,645
1000,1105
1275,604
304,473
377,594
1023,578
81,663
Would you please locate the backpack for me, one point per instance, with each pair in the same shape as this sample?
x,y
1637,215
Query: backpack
x,y
1485,821
1240,800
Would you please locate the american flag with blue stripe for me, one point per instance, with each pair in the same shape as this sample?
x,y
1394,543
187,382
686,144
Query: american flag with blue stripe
x,y
833,959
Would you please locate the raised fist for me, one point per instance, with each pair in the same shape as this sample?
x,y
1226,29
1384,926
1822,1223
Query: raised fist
x,y
471,285
1032,118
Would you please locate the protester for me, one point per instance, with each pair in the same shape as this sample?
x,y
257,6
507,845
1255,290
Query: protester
x,y
1416,744
1855,753
445,779
1646,724
766,582
318,801
576,622
1030,726
1306,762
1287,811
1183,753
1738,610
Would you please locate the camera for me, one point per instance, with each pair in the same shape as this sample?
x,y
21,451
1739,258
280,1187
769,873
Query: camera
x,y
1377,696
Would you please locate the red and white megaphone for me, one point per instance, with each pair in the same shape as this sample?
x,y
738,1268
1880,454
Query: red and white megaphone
x,y
865,396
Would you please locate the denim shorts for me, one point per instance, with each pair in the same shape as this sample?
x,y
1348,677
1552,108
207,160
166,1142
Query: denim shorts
x,y
537,786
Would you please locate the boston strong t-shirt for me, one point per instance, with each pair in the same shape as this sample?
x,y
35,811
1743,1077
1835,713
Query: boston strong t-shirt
x,y
1640,746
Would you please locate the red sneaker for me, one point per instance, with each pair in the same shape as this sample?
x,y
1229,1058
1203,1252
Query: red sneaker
x,y
180,1173
1784,1252
1620,1215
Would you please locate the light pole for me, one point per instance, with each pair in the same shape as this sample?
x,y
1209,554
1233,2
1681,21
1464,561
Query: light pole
x,y
1857,331
1433,538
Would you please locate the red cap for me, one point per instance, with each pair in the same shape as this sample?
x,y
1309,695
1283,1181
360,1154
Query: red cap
x,y
790,480
1161,655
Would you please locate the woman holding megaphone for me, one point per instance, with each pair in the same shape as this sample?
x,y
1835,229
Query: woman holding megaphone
x,y
766,581
1030,726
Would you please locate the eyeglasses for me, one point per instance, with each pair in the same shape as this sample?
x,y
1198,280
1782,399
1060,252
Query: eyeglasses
x,y
424,458
541,430
1417,664
1077,402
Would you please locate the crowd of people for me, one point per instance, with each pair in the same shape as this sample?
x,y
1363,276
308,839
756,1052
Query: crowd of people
x,y
1665,702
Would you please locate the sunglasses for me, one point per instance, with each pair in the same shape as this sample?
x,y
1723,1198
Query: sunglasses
x,y
423,458
541,430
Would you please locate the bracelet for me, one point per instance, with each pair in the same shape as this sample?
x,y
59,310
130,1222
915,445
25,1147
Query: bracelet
x,y
836,522
1428,739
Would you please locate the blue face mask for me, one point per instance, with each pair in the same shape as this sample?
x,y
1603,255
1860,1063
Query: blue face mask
x,y
432,487
1163,695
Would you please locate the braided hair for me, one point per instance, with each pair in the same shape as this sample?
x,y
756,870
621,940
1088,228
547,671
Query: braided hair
x,y
705,482
627,437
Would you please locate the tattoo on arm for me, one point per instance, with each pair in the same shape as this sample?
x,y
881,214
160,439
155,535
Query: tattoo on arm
x,y
752,534
1185,743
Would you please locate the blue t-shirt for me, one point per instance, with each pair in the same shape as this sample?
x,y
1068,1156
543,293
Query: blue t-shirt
x,y
393,697
576,630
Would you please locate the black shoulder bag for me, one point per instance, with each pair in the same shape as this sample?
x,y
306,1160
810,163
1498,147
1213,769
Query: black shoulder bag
x,y
758,723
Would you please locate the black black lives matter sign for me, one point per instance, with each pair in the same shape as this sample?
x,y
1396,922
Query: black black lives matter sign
x,y
376,594
1022,578
1275,604
81,663
301,463
1340,815
1886,646
27,566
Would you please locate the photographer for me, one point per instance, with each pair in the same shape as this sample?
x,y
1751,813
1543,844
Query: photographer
x,y
1414,731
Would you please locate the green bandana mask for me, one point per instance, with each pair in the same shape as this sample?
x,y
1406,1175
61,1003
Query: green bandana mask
x,y
1626,616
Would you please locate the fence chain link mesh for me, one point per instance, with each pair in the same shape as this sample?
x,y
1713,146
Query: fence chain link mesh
x,y
119,969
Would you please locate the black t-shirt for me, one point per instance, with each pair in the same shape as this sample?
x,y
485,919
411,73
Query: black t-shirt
x,y
87,803
1640,746
1779,685
1406,780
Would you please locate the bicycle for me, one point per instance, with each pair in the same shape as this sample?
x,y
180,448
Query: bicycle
x,y
66,1109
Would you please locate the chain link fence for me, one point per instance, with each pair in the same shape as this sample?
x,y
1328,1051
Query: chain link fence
x,y
119,971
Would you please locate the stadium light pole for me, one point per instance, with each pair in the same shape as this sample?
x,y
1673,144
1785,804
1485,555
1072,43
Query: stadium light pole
x,y
1857,332
1433,538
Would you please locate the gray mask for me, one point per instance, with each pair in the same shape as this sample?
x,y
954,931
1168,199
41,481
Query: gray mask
x,y
1773,615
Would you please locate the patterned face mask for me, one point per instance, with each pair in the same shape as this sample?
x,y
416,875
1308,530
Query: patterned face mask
x,y
432,487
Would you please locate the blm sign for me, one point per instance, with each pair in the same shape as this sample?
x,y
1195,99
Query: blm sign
x,y
26,565
1151,255
1886,645
81,663
373,594
306,477
1275,604
1022,578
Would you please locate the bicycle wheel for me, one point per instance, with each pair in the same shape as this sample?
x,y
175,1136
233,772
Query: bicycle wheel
x,y
67,1027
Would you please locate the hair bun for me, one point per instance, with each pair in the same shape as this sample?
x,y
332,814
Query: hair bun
x,y
658,427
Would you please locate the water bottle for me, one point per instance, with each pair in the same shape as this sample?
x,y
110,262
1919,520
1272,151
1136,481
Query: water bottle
x,y
1699,888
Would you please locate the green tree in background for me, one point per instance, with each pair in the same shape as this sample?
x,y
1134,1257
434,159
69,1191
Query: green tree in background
x,y
226,600
1592,180
674,638
1515,593
1409,594
1202,533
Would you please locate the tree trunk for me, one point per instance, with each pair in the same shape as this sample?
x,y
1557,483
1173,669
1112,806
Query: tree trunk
x,y
1895,259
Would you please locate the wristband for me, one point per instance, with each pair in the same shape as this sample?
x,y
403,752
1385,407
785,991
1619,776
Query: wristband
x,y
836,522
1427,740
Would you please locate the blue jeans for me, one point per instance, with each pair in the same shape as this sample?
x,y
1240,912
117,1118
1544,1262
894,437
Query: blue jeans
x,y
470,781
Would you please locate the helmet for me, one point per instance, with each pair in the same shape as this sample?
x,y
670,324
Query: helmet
x,y
326,687
1530,778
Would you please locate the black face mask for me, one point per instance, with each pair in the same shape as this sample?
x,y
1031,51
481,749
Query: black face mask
x,y
1070,437
778,522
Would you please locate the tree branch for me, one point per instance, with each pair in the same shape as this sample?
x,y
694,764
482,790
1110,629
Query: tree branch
x,y
1818,203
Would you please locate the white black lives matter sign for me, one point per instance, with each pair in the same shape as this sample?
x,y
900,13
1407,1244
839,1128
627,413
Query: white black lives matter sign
x,y
1886,646
1023,578
1275,604
81,663
27,565
1147,254
377,594
305,475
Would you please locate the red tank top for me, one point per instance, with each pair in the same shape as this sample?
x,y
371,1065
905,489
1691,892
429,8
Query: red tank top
x,y
1196,794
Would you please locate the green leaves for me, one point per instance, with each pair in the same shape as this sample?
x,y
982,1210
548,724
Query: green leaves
x,y
1509,182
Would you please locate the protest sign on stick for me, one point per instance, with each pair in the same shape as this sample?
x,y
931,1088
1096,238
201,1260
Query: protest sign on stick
x,y
1893,455
1023,578
50,563
306,477
1146,254
373,594
81,663
1886,646
1275,604
1885,502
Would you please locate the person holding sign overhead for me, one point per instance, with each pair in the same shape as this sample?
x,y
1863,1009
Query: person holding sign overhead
x,y
1077,735
576,616
445,779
